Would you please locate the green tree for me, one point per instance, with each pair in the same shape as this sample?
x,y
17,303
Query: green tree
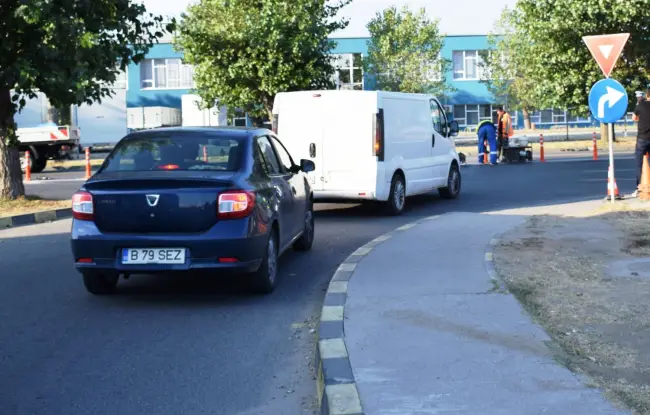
x,y
71,51
404,52
246,51
509,65
562,68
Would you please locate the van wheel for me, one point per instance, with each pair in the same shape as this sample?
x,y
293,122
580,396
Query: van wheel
x,y
452,190
100,283
264,280
397,198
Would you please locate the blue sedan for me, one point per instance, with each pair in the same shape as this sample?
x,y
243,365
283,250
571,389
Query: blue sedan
x,y
182,199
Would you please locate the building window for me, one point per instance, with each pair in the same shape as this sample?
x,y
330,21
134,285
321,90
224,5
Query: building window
x,y
467,65
348,72
554,116
166,74
473,115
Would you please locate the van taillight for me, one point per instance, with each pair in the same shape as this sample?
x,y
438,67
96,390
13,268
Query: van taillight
x,y
378,135
274,123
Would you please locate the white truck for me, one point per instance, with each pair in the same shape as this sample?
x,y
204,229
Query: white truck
x,y
370,145
98,124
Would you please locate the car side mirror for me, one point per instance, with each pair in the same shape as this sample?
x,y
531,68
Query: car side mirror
x,y
307,165
453,128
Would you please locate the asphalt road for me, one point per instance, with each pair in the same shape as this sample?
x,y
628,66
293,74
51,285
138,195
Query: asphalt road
x,y
196,344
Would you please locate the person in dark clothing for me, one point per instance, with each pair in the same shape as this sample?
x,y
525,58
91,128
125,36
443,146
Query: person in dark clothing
x,y
642,116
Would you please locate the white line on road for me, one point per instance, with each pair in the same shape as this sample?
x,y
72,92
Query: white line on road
x,y
54,181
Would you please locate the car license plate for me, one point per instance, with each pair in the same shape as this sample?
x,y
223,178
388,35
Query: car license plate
x,y
133,256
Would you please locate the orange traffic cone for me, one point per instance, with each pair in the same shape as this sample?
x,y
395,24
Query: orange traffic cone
x,y
611,184
644,186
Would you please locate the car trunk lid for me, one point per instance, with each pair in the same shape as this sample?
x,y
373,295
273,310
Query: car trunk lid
x,y
156,203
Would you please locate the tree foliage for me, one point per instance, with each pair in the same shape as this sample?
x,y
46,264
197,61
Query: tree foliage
x,y
246,51
404,52
559,65
72,51
509,65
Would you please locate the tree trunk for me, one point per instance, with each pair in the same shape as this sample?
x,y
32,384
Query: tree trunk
x,y
526,119
11,178
604,134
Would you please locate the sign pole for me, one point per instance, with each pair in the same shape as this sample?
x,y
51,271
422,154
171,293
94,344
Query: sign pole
x,y
608,98
612,189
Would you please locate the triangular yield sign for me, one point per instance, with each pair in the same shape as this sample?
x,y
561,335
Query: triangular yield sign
x,y
606,49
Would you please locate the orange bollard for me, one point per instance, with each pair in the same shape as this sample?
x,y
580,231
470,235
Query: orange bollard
x,y
595,142
205,154
28,167
644,186
87,163
541,147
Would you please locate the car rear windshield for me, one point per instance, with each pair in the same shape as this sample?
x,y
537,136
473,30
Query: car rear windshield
x,y
175,152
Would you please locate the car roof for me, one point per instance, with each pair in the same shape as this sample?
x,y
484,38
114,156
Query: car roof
x,y
226,131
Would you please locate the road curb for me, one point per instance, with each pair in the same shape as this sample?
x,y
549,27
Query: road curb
x,y
34,218
337,389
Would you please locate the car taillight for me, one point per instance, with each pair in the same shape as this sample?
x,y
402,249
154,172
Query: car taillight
x,y
82,206
378,135
235,204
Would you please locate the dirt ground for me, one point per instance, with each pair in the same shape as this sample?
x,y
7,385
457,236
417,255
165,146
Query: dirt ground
x,y
586,280
30,204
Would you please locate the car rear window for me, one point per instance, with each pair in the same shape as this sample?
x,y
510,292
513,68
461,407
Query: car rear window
x,y
175,152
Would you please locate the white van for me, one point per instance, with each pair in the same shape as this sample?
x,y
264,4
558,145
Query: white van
x,y
370,145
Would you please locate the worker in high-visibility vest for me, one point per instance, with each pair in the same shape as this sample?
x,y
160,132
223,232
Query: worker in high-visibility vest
x,y
504,131
487,134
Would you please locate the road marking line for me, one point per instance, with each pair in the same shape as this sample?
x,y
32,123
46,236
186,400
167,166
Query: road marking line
x,y
343,399
362,251
347,267
382,238
338,287
332,313
54,181
406,227
333,349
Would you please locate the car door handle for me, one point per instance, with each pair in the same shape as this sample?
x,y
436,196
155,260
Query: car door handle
x,y
312,150
433,140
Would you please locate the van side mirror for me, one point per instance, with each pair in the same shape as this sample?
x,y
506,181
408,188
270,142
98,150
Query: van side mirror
x,y
453,128
307,165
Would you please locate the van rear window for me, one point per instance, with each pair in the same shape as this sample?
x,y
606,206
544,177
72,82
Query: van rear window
x,y
175,152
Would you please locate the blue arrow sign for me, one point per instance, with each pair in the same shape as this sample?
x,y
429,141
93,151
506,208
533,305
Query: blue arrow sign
x,y
608,101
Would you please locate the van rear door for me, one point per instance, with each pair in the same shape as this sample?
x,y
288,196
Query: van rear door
x,y
300,126
350,165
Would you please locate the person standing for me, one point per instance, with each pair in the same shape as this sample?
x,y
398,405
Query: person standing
x,y
642,117
504,131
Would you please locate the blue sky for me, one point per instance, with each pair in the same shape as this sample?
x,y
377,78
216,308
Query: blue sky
x,y
457,17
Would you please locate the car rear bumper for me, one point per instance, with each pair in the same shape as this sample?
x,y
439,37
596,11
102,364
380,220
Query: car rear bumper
x,y
103,251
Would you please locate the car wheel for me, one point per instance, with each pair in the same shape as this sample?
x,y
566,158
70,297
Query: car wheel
x,y
397,197
100,283
264,280
452,190
305,241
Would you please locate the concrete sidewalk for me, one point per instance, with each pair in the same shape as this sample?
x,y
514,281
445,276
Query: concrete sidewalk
x,y
428,331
